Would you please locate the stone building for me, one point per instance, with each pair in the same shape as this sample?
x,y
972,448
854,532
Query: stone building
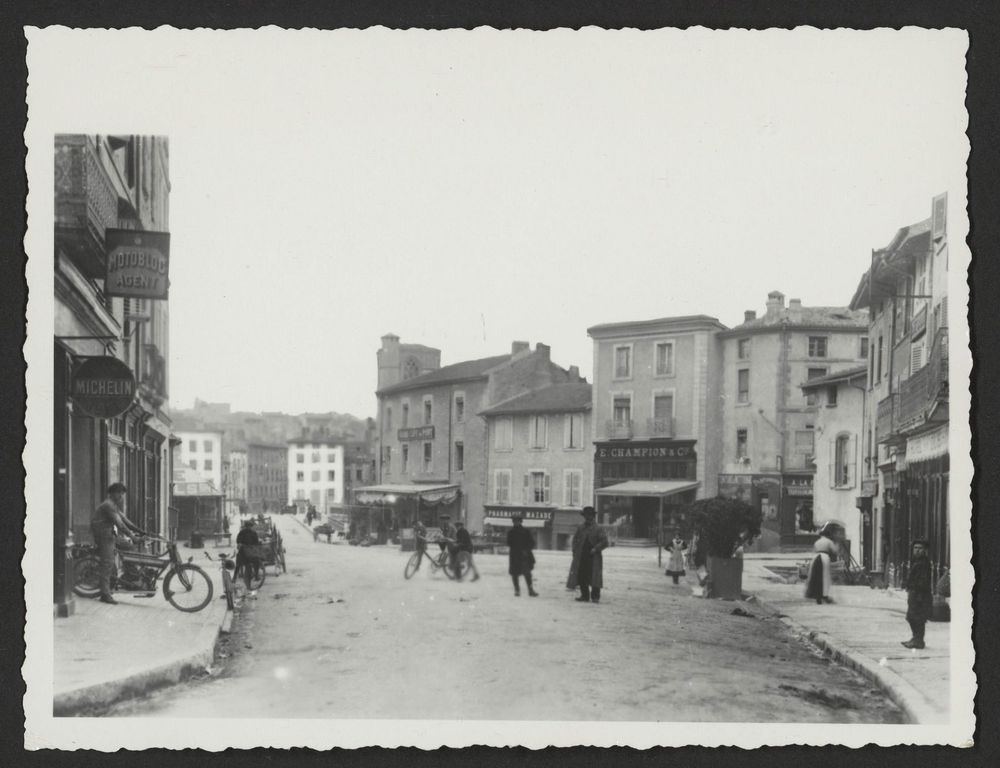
x,y
202,451
111,200
769,421
539,463
315,472
655,431
267,478
906,453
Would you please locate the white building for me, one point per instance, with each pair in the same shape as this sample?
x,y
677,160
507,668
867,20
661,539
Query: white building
x,y
202,452
316,472
234,480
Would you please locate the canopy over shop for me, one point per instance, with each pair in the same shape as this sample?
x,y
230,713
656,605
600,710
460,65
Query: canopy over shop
x,y
197,505
393,506
654,490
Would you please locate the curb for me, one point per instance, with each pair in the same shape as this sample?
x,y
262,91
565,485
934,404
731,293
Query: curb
x,y
175,670
903,694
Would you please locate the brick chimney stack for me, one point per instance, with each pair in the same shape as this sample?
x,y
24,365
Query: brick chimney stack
x,y
519,347
543,350
775,303
748,315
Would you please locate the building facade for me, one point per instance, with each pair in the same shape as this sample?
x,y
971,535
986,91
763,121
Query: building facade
x,y
234,481
839,438
202,452
105,184
315,472
428,431
768,420
267,478
654,426
906,442
539,462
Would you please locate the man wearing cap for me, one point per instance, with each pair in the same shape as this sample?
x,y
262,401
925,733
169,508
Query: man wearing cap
x,y
918,594
463,544
587,568
520,557
106,523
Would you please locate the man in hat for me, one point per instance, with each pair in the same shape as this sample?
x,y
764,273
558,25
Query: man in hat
x,y
918,594
587,568
247,561
463,549
106,523
521,560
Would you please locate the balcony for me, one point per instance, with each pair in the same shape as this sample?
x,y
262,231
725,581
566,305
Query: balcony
x,y
886,417
618,429
921,395
663,427
86,204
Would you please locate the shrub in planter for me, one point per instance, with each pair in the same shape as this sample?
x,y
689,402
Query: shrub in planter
x,y
724,526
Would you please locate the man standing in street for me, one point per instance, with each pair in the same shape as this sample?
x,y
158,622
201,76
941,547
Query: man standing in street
x,y
108,518
463,549
521,560
587,568
918,594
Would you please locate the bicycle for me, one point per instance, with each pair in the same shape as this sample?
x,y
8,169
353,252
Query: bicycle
x,y
185,586
442,562
229,585
255,559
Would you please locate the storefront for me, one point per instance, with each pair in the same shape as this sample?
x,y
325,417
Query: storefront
x,y
763,492
658,506
390,510
798,518
498,521
198,504
637,515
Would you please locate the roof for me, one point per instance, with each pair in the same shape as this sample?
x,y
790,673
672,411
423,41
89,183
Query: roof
x,y
908,243
805,317
658,325
405,488
859,372
317,440
573,396
469,369
656,488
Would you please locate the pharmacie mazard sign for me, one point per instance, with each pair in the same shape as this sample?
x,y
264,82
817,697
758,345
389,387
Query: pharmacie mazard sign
x,y
138,264
103,387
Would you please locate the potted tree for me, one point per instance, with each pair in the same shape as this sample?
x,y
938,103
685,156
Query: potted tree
x,y
724,526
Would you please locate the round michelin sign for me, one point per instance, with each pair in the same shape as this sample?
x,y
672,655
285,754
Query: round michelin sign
x,y
103,387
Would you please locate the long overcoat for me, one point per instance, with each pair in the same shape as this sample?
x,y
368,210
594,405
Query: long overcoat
x,y
590,535
520,558
918,591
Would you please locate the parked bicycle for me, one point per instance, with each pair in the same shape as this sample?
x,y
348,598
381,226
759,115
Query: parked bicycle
x,y
185,586
441,561
229,585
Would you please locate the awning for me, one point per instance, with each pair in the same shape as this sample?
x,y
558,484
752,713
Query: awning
x,y
506,522
654,488
388,493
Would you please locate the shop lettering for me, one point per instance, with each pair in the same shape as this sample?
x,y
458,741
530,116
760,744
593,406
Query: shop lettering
x,y
104,387
144,282
659,452
151,260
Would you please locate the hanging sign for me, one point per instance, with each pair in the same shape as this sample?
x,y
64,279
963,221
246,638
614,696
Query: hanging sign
x,y
137,263
103,387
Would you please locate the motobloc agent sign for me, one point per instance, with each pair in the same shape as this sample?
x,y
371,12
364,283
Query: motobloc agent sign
x,y
103,387
137,263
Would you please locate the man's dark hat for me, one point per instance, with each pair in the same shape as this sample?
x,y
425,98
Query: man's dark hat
x,y
922,542
517,517
589,512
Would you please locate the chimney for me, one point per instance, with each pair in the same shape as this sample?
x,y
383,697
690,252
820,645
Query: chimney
x,y
750,314
775,303
390,340
795,309
574,373
519,347
543,350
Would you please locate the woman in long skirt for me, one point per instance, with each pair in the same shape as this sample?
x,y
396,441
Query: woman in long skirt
x,y
675,565
819,582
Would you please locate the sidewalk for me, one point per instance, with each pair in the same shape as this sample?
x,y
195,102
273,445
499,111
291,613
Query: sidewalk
x,y
103,653
863,629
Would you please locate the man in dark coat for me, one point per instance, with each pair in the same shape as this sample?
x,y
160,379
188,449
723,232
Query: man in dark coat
x,y
521,560
918,594
587,568
463,549
106,523
247,561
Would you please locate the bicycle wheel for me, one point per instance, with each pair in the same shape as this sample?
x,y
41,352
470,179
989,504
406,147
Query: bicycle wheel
x,y
460,567
412,565
449,565
257,578
188,588
87,577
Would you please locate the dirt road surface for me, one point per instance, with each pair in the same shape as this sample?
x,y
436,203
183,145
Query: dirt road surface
x,y
344,635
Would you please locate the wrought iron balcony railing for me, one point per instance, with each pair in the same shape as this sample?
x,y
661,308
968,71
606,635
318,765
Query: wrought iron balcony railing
x,y
660,427
619,429
886,416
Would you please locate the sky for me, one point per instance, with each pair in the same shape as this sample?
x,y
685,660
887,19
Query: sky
x,y
466,189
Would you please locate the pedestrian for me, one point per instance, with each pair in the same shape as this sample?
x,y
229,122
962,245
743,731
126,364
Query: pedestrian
x,y
106,523
464,550
818,584
587,569
521,559
447,538
918,593
247,559
675,565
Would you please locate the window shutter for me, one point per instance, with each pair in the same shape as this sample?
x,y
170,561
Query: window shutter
x,y
567,430
852,460
527,488
832,463
567,491
916,357
546,494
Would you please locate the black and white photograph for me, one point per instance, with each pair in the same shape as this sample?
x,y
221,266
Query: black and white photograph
x,y
439,388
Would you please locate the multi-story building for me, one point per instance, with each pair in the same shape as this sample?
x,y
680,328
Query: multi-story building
x,y
234,481
768,420
202,452
655,428
839,431
906,456
267,477
111,419
538,461
359,463
431,445
315,472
